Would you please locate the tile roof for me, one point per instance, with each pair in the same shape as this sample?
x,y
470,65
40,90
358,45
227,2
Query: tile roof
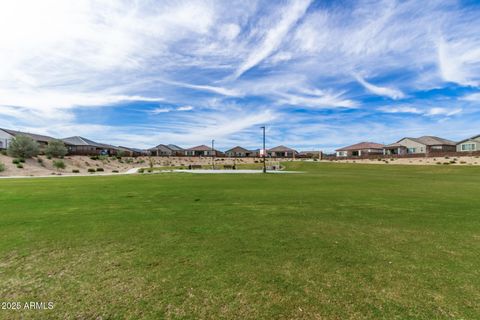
x,y
174,147
36,137
200,148
432,141
477,137
238,149
362,146
81,141
281,149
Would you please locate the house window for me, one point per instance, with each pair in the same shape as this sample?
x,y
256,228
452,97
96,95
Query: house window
x,y
411,150
468,147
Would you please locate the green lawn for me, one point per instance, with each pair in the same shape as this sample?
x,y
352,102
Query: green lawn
x,y
337,242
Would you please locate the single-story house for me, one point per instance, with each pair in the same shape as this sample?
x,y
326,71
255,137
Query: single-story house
x,y
202,150
161,151
6,136
177,151
469,145
425,144
133,152
241,152
360,149
282,152
83,146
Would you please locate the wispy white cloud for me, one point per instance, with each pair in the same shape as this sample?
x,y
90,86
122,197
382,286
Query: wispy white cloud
x,y
185,108
289,16
381,91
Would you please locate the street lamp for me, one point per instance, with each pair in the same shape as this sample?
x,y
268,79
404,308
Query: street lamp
x,y
264,151
213,154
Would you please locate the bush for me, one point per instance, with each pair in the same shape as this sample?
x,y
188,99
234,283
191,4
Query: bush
x,y
56,149
23,147
141,170
40,160
2,167
59,164
20,166
16,161
75,171
115,171
3,152
94,157
100,170
91,170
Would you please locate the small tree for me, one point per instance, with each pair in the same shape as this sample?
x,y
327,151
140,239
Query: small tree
x,y
56,149
59,164
23,147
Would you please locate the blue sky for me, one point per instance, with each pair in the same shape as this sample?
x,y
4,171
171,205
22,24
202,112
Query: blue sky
x,y
318,74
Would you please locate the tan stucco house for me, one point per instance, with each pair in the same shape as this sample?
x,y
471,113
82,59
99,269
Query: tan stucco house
x,y
469,145
359,149
421,145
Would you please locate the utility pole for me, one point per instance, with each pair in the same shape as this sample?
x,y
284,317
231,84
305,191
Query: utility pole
x,y
213,154
264,151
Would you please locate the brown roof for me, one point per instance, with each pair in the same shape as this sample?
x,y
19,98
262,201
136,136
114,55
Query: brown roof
x,y
237,149
200,148
393,145
432,141
281,149
36,137
471,138
362,146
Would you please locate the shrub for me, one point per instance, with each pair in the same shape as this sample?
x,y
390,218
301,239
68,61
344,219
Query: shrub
x,y
91,170
2,167
59,164
56,149
16,161
141,170
94,157
115,171
100,170
40,160
23,147
75,171
3,152
20,166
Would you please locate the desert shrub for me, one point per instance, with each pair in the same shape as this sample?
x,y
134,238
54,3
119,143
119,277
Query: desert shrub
x,y
75,171
23,147
40,160
100,170
91,170
56,149
59,164
115,171
453,161
16,161
94,157
439,163
20,166
463,162
141,170
22,160
3,152
2,167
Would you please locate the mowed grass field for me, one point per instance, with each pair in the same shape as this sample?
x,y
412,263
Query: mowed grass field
x,y
337,242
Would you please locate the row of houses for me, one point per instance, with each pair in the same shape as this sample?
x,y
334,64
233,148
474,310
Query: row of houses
x,y
82,146
406,146
206,151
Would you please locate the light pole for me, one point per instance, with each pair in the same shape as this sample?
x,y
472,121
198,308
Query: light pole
x,y
264,151
213,154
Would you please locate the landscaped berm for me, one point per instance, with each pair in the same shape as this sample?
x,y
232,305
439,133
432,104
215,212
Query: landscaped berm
x,y
340,241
